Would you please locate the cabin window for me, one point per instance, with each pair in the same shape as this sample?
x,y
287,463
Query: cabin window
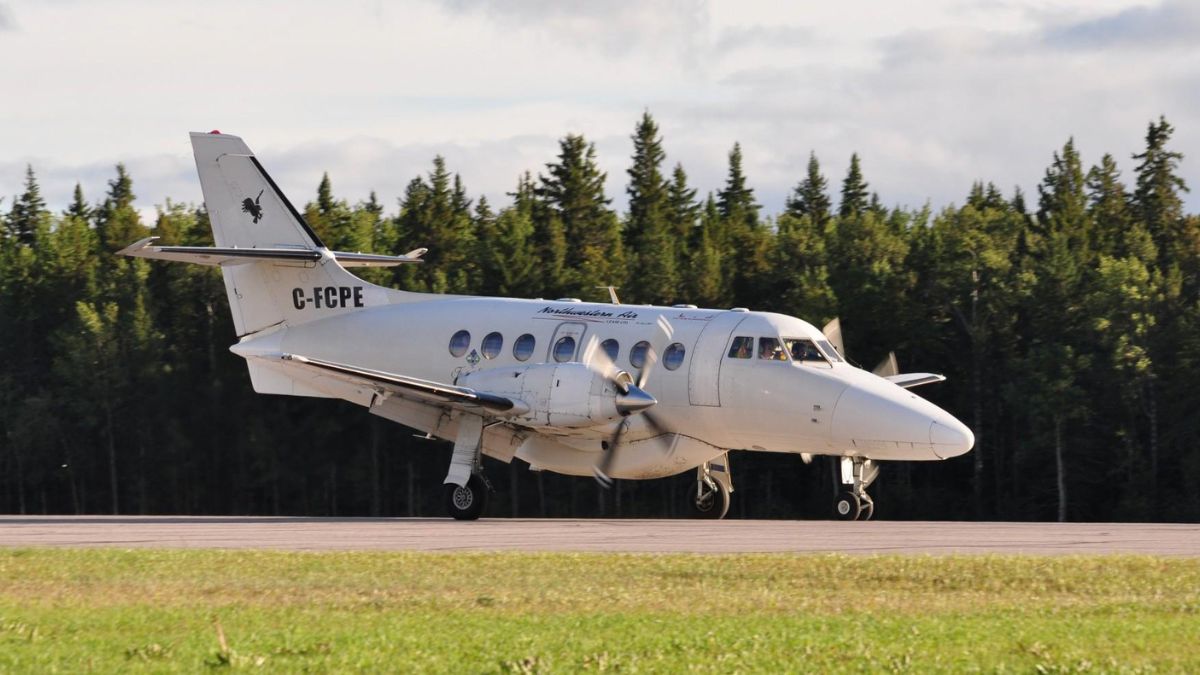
x,y
523,347
673,357
564,349
492,344
742,347
769,349
637,355
459,343
830,351
611,348
803,351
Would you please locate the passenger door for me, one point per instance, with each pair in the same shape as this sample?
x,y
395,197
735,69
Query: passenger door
x,y
707,357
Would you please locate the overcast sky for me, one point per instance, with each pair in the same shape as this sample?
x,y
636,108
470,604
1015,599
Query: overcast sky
x,y
934,95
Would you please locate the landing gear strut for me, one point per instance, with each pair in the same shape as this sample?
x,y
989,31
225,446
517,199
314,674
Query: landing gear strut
x,y
853,503
466,488
713,487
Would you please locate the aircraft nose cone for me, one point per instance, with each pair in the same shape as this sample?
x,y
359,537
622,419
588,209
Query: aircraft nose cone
x,y
634,400
950,438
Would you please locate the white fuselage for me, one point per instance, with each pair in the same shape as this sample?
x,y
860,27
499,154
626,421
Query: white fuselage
x,y
712,401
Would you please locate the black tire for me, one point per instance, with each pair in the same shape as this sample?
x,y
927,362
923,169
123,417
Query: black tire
x,y
847,507
468,501
714,505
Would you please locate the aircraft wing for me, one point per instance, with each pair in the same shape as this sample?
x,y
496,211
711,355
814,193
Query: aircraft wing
x,y
910,380
408,387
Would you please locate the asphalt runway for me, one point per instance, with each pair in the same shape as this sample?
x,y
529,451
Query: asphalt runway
x,y
631,536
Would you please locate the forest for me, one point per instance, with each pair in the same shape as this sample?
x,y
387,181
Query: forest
x,y
1066,321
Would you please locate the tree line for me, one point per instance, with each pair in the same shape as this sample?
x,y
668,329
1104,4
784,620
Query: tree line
x,y
1066,321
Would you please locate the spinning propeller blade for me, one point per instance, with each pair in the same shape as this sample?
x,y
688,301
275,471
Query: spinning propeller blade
x,y
633,399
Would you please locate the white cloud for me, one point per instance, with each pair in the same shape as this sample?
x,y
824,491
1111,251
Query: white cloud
x,y
934,96
7,21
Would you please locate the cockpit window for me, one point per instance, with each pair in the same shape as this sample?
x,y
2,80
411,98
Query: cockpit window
x,y
771,350
803,351
742,347
829,351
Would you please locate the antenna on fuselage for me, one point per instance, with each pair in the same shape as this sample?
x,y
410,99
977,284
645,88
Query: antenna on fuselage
x,y
612,294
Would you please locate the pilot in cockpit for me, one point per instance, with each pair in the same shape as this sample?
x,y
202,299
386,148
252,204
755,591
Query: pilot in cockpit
x,y
770,350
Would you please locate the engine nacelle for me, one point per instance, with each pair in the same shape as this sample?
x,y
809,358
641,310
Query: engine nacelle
x,y
567,395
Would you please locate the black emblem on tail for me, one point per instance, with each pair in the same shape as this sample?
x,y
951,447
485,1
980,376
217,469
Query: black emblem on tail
x,y
253,207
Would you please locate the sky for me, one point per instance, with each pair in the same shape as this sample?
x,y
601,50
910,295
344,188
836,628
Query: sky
x,y
934,95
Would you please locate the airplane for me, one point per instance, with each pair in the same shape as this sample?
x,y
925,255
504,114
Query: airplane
x,y
606,390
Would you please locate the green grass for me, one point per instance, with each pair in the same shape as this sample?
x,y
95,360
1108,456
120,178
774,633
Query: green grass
x,y
158,610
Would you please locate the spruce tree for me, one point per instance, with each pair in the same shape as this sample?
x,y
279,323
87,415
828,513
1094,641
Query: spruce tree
x,y
811,198
703,275
117,221
1108,203
736,200
28,218
1156,198
573,192
682,207
548,238
854,190
79,207
747,264
652,254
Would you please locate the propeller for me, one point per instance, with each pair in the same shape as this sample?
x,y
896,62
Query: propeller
x,y
833,332
631,399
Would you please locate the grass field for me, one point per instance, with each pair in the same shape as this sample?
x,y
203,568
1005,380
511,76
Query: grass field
x,y
158,610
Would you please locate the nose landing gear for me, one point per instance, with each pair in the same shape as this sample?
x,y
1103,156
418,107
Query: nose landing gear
x,y
853,503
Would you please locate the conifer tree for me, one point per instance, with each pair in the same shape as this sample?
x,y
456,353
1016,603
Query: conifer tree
x,y
682,206
703,275
1108,203
329,217
548,238
1156,198
79,207
746,266
811,198
652,254
573,191
854,190
736,199
29,218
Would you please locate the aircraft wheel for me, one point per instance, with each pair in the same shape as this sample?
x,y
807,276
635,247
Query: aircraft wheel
x,y
713,504
848,506
466,502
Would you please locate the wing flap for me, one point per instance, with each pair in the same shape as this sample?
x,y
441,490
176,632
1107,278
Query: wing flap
x,y
411,386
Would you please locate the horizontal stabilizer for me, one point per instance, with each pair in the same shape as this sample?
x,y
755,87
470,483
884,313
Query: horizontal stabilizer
x,y
220,255
910,380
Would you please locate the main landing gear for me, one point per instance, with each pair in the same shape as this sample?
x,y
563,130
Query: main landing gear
x,y
853,502
466,488
713,487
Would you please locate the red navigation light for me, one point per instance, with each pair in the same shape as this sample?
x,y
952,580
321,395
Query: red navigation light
x,y
215,131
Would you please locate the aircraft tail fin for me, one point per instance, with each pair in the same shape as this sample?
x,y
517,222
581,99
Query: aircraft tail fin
x,y
277,270
246,207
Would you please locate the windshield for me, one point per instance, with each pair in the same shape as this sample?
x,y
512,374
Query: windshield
x,y
804,350
830,351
